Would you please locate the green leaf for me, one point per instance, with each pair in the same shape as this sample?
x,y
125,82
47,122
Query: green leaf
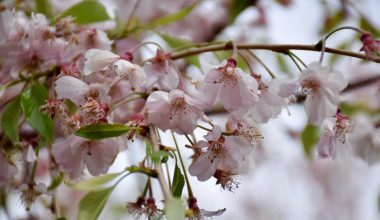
x,y
92,204
95,182
44,7
174,209
159,156
178,182
31,100
174,17
101,131
9,119
282,63
56,181
309,137
86,12
237,7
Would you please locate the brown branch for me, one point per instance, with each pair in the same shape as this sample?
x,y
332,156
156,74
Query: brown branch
x,y
281,48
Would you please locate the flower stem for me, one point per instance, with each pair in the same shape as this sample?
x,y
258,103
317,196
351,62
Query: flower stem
x,y
190,191
295,62
262,63
160,175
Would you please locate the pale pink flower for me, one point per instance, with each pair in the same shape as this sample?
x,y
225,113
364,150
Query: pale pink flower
x,y
219,153
333,143
229,84
100,60
322,86
93,99
30,155
271,101
174,110
8,169
73,154
162,73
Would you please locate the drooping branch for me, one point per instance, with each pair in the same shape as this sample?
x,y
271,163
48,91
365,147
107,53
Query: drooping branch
x,y
281,48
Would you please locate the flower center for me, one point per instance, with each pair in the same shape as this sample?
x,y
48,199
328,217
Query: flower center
x,y
311,85
179,107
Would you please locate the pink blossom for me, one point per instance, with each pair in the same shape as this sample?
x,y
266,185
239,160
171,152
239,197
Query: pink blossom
x,y
322,86
332,143
174,110
371,46
73,154
99,60
271,100
162,73
234,88
219,153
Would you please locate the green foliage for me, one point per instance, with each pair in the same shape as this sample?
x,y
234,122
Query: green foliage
x,y
174,17
237,7
333,21
309,137
44,7
92,204
95,182
86,12
56,181
174,209
160,156
101,131
366,25
282,63
178,182
31,100
176,42
9,119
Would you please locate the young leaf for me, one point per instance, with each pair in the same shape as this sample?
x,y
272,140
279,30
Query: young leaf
x,y
178,183
56,181
95,182
44,7
9,119
92,204
101,131
31,100
309,137
160,156
86,12
174,209
174,17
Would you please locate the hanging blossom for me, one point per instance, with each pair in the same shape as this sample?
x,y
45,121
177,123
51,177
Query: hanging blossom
x,y
272,98
371,46
229,84
221,157
195,213
92,99
333,143
73,154
322,87
162,73
174,110
100,60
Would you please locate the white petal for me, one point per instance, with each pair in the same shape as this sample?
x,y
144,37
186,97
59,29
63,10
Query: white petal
x,y
98,60
68,87
30,155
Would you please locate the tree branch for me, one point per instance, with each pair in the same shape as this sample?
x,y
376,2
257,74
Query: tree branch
x,y
281,48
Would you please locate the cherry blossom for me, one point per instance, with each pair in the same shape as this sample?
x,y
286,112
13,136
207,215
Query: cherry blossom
x,y
8,169
322,87
73,154
229,84
219,155
174,110
333,142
